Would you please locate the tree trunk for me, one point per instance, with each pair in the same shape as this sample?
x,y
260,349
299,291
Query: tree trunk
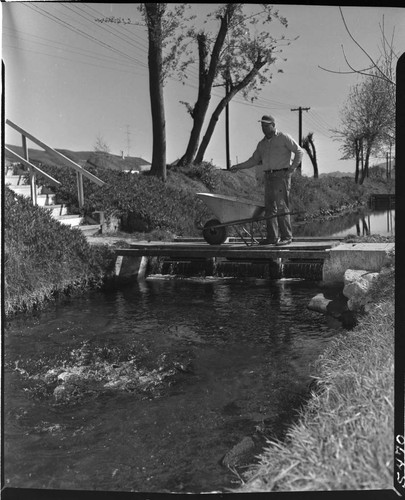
x,y
206,80
208,134
366,163
315,161
357,153
309,146
154,18
201,106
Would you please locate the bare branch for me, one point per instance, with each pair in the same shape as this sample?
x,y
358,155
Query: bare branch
x,y
355,41
374,70
340,72
383,76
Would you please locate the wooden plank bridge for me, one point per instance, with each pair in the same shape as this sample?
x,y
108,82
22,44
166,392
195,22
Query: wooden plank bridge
x,y
334,256
300,249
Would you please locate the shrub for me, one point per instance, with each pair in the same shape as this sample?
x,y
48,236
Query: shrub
x,y
146,199
205,172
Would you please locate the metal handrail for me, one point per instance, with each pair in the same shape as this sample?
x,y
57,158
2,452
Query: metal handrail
x,y
81,172
50,179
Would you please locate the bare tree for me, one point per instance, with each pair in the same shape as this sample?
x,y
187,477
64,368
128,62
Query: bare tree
x,y
352,147
368,118
309,146
237,58
101,146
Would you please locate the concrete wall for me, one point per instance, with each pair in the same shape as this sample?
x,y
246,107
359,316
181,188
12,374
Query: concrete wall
x,y
362,256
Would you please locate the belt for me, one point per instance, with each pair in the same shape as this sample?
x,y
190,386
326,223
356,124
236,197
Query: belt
x,y
277,170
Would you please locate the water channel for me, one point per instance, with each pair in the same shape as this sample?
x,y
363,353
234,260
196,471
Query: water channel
x,y
358,223
146,388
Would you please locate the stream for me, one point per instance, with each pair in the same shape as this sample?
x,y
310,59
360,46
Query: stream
x,y
147,388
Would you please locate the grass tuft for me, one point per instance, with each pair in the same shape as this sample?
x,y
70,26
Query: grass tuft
x,y
343,437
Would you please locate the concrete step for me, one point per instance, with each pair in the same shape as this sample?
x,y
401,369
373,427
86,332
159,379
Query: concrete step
x,y
24,190
57,210
14,180
69,220
19,181
46,199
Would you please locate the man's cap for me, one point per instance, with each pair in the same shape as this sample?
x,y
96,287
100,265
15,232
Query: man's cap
x,y
267,119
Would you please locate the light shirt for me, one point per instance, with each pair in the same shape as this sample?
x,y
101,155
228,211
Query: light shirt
x,y
274,154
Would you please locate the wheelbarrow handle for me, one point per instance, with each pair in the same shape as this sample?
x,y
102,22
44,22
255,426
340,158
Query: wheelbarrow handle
x,y
253,219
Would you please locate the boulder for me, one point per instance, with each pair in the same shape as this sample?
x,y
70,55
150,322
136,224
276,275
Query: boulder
x,y
333,307
319,303
356,286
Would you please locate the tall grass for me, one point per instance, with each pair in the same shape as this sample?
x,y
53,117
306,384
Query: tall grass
x,y
43,257
343,437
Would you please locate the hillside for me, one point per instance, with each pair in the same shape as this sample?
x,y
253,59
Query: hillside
x,y
378,170
337,174
84,158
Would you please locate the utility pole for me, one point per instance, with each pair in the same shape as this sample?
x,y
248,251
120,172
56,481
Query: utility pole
x,y
300,110
228,157
128,140
227,88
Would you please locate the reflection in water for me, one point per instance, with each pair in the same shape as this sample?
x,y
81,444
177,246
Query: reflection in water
x,y
365,227
166,376
358,223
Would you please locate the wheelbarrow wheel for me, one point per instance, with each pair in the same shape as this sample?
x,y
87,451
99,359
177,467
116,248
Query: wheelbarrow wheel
x,y
214,235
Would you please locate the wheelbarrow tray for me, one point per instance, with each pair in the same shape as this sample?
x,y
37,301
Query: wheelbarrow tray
x,y
231,208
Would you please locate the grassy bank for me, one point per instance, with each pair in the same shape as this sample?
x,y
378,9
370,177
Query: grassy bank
x,y
43,258
343,437
145,203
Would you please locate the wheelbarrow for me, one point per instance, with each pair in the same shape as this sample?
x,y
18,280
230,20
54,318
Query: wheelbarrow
x,y
233,212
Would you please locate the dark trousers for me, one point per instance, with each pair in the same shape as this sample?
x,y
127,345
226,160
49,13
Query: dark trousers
x,y
277,187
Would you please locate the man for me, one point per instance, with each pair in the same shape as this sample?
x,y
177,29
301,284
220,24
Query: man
x,y
272,160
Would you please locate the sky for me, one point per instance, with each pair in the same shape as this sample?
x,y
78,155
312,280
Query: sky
x,y
70,80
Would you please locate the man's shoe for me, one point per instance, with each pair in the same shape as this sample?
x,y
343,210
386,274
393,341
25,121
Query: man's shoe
x,y
285,241
269,242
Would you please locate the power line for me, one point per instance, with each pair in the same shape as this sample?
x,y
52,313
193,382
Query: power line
x,y
77,30
321,119
261,103
143,44
125,38
50,44
63,58
319,126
